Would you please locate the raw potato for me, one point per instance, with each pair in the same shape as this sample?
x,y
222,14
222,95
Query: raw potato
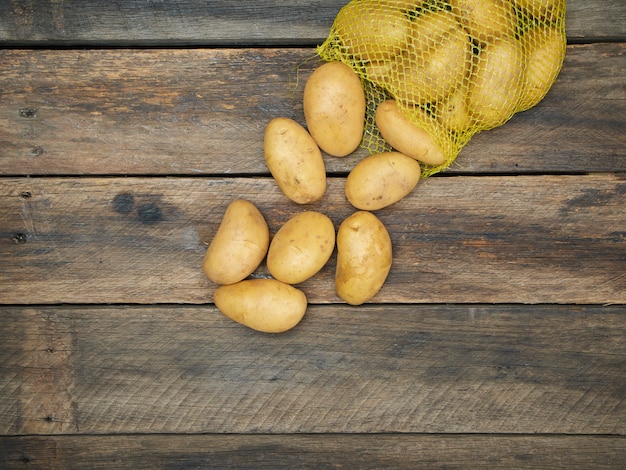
x,y
239,245
334,108
379,72
486,20
265,305
432,28
368,32
381,180
363,257
295,161
545,50
301,247
496,85
436,63
454,114
405,136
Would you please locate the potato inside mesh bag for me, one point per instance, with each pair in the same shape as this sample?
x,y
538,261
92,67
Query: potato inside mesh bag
x,y
454,67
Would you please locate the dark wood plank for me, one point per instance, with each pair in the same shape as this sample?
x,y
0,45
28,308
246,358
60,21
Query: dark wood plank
x,y
204,111
313,452
367,369
189,22
464,239
194,22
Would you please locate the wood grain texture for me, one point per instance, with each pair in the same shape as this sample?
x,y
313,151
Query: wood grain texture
x,y
539,239
313,452
194,22
172,23
126,128
203,111
367,369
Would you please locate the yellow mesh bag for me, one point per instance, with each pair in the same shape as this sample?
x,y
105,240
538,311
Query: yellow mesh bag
x,y
454,67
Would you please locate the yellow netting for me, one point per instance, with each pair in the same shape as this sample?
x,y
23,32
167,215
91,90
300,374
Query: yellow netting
x,y
455,67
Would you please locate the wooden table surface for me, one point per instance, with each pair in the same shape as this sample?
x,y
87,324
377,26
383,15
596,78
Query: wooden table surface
x,y
126,128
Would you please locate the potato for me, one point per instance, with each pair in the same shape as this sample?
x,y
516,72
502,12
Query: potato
x,y
430,29
406,137
295,160
543,10
301,247
379,72
454,114
545,50
437,62
370,31
496,84
239,245
266,305
381,180
334,108
486,20
363,257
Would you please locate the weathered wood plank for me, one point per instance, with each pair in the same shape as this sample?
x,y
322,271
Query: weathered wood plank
x,y
367,369
194,22
203,112
456,239
313,452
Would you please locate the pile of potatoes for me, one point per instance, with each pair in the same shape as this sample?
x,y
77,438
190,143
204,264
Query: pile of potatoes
x,y
334,108
467,64
468,43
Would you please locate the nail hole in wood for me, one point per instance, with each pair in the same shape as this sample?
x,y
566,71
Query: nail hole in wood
x,y
20,238
37,151
28,113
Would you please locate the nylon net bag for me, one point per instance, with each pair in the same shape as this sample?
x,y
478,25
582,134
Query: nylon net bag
x,y
453,67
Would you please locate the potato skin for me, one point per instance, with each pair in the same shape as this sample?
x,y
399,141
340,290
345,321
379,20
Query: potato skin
x,y
364,255
369,33
239,245
265,305
334,108
381,180
454,114
496,85
486,20
437,62
545,50
301,247
406,137
295,160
